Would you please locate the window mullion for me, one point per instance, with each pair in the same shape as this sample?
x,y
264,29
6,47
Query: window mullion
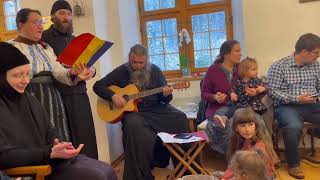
x,y
183,12
163,47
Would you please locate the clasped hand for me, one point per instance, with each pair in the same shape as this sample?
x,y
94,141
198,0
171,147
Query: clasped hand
x,y
254,91
219,97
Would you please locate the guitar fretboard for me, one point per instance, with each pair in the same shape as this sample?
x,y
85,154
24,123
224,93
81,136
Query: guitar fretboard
x,y
146,93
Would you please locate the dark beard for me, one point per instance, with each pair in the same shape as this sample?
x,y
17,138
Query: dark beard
x,y
140,78
58,25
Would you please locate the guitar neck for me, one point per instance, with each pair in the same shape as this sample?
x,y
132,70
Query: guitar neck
x,y
146,93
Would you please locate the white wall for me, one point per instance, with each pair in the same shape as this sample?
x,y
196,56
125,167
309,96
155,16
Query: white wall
x,y
271,27
238,34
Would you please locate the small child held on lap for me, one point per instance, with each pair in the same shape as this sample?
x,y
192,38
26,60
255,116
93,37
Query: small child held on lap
x,y
248,81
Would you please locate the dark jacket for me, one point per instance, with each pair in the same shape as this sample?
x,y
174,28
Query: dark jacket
x,y
25,134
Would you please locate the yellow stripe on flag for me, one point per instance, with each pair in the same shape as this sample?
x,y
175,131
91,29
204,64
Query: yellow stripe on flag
x,y
91,49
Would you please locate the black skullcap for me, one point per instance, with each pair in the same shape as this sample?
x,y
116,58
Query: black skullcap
x,y
11,57
60,4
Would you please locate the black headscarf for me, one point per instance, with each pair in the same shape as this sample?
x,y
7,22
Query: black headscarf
x,y
25,134
11,57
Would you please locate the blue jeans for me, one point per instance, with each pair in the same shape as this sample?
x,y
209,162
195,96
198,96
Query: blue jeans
x,y
291,118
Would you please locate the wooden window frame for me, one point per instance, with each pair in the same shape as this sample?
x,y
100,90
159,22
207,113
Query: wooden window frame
x,y
182,12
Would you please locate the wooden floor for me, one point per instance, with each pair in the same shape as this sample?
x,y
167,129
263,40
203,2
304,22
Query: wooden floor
x,y
213,162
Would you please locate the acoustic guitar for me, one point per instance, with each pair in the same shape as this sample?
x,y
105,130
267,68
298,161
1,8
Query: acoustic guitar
x,y
109,113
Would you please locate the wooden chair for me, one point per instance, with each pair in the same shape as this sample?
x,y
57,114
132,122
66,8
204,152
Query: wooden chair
x,y
38,171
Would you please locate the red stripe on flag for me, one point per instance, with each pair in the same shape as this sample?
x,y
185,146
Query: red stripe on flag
x,y
74,49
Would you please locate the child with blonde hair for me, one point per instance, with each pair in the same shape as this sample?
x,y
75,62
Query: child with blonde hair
x,y
248,165
248,73
248,134
248,81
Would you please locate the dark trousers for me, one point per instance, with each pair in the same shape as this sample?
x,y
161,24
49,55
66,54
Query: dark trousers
x,y
82,168
140,139
291,118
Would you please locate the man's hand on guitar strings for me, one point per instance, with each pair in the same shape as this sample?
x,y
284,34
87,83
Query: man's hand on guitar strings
x,y
118,101
167,90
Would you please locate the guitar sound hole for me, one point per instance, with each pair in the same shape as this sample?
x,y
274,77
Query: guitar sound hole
x,y
110,105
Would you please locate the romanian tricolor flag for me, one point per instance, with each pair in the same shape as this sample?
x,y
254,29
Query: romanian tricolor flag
x,y
85,49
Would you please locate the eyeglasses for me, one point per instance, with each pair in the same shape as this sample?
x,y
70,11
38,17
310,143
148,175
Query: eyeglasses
x,y
37,22
21,76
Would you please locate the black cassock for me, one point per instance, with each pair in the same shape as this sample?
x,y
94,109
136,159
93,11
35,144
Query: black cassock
x,y
26,138
75,99
143,149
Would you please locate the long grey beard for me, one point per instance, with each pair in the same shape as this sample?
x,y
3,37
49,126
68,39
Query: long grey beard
x,y
140,78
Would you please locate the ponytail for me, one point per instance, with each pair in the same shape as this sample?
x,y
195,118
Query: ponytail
x,y
218,60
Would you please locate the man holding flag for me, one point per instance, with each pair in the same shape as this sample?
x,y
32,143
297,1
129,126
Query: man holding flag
x,y
75,98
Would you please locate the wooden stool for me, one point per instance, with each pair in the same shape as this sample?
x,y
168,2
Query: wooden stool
x,y
186,158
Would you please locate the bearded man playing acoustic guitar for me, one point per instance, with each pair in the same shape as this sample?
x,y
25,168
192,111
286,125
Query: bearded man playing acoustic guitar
x,y
143,150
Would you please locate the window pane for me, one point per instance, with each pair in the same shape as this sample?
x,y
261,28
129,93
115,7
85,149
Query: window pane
x,y
11,23
217,38
155,46
199,23
9,8
172,62
163,43
202,58
152,5
210,33
201,41
171,44
192,2
154,29
214,54
170,27
158,60
167,4
217,21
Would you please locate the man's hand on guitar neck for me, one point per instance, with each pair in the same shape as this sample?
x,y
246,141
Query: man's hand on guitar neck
x,y
167,90
118,101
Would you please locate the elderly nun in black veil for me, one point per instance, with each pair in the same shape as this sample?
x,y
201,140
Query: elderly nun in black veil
x,y
26,137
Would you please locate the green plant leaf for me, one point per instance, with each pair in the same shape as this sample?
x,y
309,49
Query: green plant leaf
x,y
183,61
